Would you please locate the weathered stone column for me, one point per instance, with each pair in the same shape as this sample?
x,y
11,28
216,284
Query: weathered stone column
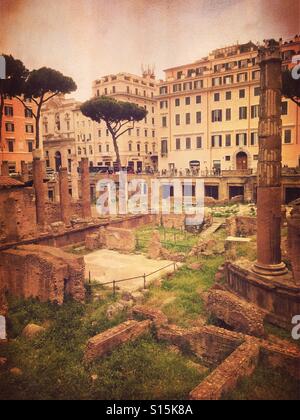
x,y
294,240
24,171
85,188
40,193
65,199
269,261
74,177
4,168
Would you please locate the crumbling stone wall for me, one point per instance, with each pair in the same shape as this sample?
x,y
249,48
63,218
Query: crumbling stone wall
x,y
238,314
241,363
243,226
119,239
17,214
209,343
104,343
46,273
170,221
53,211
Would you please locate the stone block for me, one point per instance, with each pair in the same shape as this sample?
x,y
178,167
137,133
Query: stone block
x,y
119,239
106,342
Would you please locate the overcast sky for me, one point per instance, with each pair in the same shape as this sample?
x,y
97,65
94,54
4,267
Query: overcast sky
x,y
87,39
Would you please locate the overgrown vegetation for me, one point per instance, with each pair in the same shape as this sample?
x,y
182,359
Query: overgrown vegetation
x,y
266,384
175,240
52,367
179,295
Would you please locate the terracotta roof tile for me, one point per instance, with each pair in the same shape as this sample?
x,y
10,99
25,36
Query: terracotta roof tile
x,y
7,181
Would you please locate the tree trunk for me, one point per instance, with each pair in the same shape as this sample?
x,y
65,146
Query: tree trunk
x,y
117,151
37,127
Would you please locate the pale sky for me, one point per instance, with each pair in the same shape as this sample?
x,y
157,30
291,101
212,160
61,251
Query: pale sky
x,y
87,39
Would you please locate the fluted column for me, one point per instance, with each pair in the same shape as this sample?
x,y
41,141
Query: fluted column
x,y
65,198
40,193
269,260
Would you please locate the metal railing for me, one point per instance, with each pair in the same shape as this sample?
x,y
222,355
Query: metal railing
x,y
143,277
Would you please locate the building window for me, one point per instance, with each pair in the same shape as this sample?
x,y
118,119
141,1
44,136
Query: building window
x,y
138,132
228,114
217,97
257,91
28,113
146,133
243,113
242,77
188,100
163,90
177,88
100,148
164,147
8,111
107,148
284,108
163,104
198,99
288,136
177,119
228,80
153,133
30,146
178,144
198,84
10,144
254,111
228,96
256,75
254,139
164,122
217,115
177,102
255,157
188,143
188,118
138,147
216,141
228,140
228,158
217,81
198,117
199,142
242,93
241,139
10,127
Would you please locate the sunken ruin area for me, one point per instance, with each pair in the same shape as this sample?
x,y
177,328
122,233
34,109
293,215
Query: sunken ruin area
x,y
181,333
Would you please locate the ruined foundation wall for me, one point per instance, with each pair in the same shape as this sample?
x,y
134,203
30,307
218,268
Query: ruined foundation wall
x,y
243,226
42,272
17,214
241,363
53,211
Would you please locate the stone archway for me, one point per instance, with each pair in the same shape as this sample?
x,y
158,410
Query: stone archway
x,y
241,161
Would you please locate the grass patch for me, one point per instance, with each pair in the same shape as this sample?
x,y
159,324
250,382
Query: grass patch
x,y
179,296
174,240
266,384
52,362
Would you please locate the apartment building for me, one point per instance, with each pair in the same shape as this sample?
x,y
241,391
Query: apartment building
x,y
208,113
67,134
138,147
18,134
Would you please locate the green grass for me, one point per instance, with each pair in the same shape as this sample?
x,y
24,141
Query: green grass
x,y
179,296
266,384
52,363
172,239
